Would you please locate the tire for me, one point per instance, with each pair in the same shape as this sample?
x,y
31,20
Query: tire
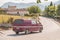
x,y
40,30
17,33
26,31
31,32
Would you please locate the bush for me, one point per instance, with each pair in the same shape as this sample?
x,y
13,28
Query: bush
x,y
10,20
26,15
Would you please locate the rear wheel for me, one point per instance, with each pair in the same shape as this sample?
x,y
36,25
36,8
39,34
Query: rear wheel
x,y
17,32
26,31
31,32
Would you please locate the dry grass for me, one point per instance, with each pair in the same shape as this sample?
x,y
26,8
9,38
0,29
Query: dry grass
x,y
6,17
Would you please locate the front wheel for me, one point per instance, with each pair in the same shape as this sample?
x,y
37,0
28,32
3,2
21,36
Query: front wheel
x,y
40,30
26,31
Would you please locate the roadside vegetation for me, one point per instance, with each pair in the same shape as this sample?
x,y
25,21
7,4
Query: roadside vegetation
x,y
34,10
6,20
51,11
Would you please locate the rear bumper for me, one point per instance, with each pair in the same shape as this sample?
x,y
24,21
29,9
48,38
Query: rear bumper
x,y
18,30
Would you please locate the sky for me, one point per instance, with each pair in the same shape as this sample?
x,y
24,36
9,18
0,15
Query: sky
x,y
22,1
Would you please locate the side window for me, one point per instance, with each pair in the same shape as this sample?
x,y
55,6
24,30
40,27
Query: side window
x,y
33,22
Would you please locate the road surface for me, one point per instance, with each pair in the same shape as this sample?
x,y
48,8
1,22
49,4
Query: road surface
x,y
51,31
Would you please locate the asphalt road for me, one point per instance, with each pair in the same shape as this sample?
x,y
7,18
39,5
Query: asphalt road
x,y
51,31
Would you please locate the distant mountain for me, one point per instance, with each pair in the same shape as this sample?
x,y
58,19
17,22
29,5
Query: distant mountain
x,y
25,5
19,5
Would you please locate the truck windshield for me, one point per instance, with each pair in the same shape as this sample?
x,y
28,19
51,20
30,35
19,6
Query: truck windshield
x,y
18,21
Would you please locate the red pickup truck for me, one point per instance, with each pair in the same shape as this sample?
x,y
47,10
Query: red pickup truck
x,y
20,25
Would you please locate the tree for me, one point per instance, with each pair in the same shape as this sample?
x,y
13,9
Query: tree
x,y
51,4
2,11
46,11
50,11
58,10
45,0
10,20
34,9
38,1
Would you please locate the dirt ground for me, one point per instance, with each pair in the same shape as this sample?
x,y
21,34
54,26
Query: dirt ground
x,y
51,31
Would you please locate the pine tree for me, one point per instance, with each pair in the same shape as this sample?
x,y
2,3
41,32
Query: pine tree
x,y
51,4
46,11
